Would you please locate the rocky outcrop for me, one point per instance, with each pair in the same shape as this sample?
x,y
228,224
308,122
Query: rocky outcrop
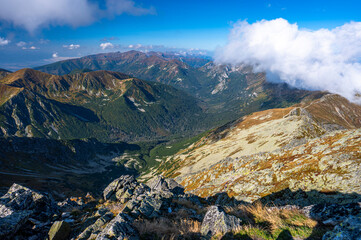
x,y
164,185
123,188
20,204
217,221
350,229
333,214
119,228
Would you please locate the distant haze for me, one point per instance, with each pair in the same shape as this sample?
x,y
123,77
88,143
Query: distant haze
x,y
313,59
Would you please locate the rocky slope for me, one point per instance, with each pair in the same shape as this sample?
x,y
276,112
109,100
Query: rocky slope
x,y
311,146
132,210
106,105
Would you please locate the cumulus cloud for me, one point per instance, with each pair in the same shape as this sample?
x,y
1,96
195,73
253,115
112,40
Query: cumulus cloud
x,y
319,60
4,41
55,58
71,46
106,45
32,14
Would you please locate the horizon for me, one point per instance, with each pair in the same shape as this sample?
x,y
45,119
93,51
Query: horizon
x,y
302,44
37,32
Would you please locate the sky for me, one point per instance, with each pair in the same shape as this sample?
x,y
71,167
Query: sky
x,y
38,32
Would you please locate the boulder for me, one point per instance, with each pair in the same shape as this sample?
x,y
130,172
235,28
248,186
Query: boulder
x,y
350,229
60,230
217,221
96,227
119,228
20,203
123,188
161,184
332,214
150,207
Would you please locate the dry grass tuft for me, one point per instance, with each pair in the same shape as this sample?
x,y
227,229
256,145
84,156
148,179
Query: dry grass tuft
x,y
165,228
271,219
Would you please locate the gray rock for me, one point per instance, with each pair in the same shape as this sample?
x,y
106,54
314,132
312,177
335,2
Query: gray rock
x,y
161,184
150,207
20,203
217,221
60,230
350,229
332,214
123,189
96,227
119,228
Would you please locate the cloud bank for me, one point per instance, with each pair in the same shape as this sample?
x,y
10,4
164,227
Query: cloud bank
x,y
33,14
318,60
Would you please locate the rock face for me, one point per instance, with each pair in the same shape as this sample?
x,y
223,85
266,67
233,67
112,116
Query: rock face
x,y
123,188
119,228
60,230
161,184
21,203
217,221
350,229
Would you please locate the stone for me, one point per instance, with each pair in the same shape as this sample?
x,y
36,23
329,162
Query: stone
x,y
119,228
97,226
350,229
123,188
161,184
150,207
20,203
217,221
60,230
333,214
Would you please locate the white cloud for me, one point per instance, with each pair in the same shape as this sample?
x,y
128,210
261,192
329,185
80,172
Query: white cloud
x,y
32,14
33,48
106,45
55,58
319,60
4,41
21,44
72,46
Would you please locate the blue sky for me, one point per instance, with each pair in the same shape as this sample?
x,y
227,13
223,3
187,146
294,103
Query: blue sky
x,y
179,24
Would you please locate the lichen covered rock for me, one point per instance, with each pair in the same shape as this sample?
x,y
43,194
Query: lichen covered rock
x,y
217,221
350,229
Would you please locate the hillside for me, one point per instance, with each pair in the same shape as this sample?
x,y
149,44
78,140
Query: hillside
x,y
310,146
106,105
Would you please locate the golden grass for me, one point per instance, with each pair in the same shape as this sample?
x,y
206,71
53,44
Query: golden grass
x,y
271,218
165,228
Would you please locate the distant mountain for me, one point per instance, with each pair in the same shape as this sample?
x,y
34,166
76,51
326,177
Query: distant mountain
x,y
107,105
310,146
230,90
4,73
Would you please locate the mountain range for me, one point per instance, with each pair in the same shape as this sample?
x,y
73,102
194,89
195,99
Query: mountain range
x,y
232,90
106,105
